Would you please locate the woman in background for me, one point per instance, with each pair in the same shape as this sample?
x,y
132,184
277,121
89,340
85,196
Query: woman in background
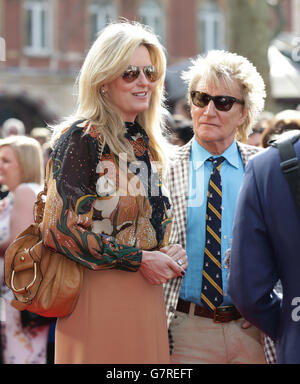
x,y
21,171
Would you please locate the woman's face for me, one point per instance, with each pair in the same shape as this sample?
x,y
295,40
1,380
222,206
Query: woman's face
x,y
10,171
132,98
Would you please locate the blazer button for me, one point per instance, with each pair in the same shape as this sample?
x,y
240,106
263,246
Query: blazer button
x,y
171,309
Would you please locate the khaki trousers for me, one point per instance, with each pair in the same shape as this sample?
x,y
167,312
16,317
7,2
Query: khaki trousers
x,y
198,340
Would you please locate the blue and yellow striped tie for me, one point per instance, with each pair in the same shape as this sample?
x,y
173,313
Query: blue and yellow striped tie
x,y
212,287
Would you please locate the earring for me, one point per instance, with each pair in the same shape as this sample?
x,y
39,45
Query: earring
x,y
102,90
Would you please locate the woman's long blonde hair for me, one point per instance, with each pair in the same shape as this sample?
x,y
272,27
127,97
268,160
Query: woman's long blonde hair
x,y
106,60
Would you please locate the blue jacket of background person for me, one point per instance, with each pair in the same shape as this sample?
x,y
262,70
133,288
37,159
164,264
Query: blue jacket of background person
x,y
265,249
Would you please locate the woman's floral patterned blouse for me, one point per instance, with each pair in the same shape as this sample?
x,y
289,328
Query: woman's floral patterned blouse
x,y
102,214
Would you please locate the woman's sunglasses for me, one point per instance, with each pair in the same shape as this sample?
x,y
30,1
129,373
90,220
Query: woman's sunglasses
x,y
222,103
133,72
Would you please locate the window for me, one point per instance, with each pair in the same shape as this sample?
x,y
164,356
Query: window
x,y
101,13
37,27
210,27
295,16
151,14
2,49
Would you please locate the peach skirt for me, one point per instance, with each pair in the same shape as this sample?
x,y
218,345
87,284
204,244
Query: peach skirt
x,y
119,319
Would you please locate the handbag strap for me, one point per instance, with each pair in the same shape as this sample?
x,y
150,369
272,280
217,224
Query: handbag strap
x,y
39,205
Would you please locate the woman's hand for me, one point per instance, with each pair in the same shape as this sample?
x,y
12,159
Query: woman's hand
x,y
158,267
177,253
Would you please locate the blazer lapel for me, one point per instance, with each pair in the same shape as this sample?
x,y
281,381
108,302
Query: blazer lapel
x,y
178,184
247,151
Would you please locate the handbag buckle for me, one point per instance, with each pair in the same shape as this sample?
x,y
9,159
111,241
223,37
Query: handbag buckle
x,y
24,289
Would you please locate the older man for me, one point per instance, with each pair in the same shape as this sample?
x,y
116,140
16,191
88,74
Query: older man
x,y
226,95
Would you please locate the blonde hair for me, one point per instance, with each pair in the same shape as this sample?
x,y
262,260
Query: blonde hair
x,y
106,60
29,155
230,68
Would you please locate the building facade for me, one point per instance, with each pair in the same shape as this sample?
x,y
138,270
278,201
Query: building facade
x,y
46,41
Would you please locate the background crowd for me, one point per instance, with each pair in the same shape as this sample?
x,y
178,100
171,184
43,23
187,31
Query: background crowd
x,y
25,337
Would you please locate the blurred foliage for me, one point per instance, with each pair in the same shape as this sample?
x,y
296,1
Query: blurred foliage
x,y
251,34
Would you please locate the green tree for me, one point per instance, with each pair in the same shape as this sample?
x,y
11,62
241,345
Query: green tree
x,y
250,36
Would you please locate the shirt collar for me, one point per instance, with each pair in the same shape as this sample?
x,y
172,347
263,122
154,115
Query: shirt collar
x,y
199,154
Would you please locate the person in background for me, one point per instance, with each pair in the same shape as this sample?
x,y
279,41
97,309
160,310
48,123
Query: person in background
x,y
226,95
254,137
23,341
43,136
266,243
112,216
182,132
13,126
287,120
182,107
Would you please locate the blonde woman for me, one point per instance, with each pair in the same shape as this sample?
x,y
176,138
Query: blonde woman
x,y
112,216
21,171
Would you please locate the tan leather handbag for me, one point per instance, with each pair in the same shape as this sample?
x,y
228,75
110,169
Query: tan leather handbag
x,y
43,281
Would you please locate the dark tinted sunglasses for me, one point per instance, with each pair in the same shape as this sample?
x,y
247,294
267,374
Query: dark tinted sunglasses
x,y
133,72
222,103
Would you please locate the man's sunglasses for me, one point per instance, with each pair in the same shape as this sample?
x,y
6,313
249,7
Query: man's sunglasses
x,y
133,72
222,103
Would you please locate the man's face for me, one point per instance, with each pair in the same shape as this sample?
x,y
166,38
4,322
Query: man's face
x,y
215,130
